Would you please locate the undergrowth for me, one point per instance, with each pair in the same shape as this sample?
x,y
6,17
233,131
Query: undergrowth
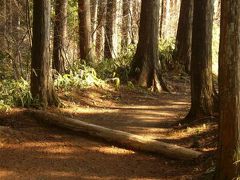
x,y
114,71
14,93
82,76
117,68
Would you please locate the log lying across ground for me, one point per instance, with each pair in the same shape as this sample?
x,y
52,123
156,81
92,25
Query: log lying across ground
x,y
125,139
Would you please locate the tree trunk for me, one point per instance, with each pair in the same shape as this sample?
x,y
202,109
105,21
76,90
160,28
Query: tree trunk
x,y
101,17
145,69
201,61
41,76
126,23
128,140
60,33
184,34
162,19
228,166
109,29
85,39
135,12
94,14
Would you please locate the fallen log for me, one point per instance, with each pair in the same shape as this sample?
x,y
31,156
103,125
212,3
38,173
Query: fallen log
x,y
125,139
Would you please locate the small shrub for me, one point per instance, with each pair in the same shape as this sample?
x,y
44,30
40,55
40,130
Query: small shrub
x,y
166,52
119,67
82,76
14,93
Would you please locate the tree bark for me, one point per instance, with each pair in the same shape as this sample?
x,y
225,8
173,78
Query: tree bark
x,y
201,61
60,33
41,76
94,14
228,166
126,23
135,12
109,29
145,68
85,39
122,138
101,19
184,34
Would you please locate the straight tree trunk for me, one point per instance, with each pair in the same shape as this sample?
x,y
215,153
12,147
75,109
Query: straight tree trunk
x,y
101,17
145,68
41,76
201,61
109,29
228,166
60,33
94,14
135,12
126,23
162,18
85,38
184,34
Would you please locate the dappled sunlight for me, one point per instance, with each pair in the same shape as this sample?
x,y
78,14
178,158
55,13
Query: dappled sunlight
x,y
111,150
189,132
6,173
61,174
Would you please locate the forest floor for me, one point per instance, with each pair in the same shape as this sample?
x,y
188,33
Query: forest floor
x,y
32,150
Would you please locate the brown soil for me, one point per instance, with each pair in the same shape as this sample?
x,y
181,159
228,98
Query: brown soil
x,y
32,150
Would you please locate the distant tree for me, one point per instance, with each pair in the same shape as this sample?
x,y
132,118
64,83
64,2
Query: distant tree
x,y
109,28
60,31
41,77
228,163
184,34
145,68
94,14
101,19
126,22
202,94
85,38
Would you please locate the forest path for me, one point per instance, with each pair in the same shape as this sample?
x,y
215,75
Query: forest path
x,y
30,150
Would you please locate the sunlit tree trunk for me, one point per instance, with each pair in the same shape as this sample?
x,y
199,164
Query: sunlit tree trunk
x,y
109,29
162,18
101,19
94,14
126,23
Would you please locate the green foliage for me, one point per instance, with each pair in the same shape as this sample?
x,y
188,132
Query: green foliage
x,y
82,76
119,67
14,93
166,52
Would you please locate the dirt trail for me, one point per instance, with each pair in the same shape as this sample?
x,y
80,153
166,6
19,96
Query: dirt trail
x,y
31,150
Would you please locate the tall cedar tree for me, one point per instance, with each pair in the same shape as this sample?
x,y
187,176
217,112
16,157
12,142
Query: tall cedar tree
x,y
126,23
101,17
184,34
94,13
85,38
145,68
41,76
202,94
60,31
228,166
109,28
